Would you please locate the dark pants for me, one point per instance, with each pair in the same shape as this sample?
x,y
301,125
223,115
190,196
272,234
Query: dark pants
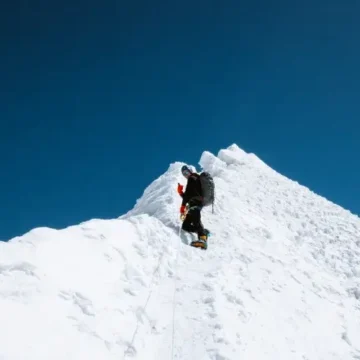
x,y
192,222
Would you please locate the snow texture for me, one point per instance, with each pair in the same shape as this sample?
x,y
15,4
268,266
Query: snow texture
x,y
280,279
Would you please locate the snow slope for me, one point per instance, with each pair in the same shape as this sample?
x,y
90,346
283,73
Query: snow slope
x,y
280,279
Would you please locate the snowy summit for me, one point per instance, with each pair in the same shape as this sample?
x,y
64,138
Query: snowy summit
x,y
280,278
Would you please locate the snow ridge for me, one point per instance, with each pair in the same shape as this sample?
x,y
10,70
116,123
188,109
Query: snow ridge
x,y
280,279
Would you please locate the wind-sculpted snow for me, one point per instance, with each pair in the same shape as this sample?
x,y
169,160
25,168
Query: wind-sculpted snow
x,y
280,279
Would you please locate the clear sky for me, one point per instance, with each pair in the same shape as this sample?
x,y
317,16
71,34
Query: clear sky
x,y
99,97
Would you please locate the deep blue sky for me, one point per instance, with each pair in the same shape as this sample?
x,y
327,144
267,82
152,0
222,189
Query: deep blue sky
x,y
99,97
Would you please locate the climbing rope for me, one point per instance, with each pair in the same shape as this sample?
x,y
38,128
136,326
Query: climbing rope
x,y
174,297
131,344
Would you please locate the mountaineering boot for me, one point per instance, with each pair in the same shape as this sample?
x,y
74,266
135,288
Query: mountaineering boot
x,y
199,244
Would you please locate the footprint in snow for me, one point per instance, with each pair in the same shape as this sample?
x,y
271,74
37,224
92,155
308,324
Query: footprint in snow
x,y
81,301
129,291
130,350
24,267
215,355
212,314
210,275
140,250
233,299
208,300
207,287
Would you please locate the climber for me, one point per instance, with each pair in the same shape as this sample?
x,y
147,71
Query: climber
x,y
191,206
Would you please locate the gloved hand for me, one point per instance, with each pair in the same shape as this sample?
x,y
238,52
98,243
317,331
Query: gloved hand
x,y
182,212
180,189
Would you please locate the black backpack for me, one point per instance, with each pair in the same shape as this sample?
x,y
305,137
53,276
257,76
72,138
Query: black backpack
x,y
208,189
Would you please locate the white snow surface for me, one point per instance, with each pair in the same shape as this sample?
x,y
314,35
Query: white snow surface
x,y
280,279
